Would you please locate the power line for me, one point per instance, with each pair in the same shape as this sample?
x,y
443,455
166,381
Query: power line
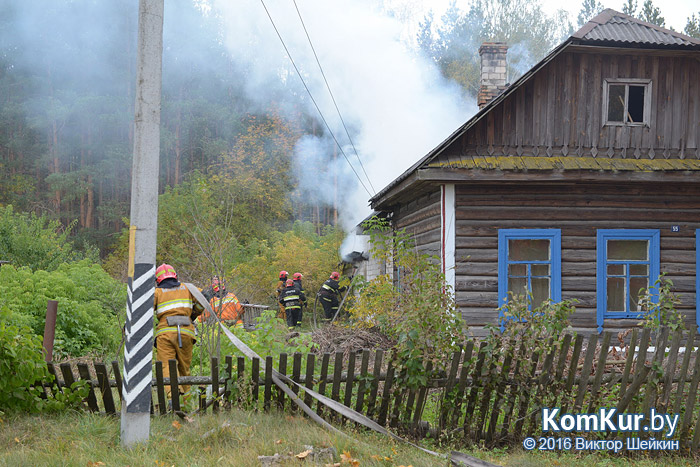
x,y
333,97
312,98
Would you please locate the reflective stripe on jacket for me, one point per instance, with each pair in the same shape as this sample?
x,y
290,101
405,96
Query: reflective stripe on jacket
x,y
176,301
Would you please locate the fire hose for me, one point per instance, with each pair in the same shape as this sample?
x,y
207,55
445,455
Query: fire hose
x,y
283,382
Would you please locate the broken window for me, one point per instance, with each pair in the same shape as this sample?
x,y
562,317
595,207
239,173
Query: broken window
x,y
626,102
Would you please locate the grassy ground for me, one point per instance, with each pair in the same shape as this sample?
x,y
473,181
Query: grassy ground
x,y
234,438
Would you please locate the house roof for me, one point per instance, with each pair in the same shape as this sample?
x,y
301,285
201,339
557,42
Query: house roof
x,y
540,163
609,28
613,26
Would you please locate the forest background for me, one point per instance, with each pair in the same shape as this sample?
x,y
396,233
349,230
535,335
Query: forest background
x,y
258,171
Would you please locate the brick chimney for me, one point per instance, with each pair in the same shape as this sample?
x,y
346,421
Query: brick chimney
x,y
493,71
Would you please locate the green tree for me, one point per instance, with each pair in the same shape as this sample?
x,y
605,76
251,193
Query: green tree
x,y
692,26
589,9
651,14
454,43
630,7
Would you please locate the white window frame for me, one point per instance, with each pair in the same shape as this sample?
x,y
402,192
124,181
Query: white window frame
x,y
633,82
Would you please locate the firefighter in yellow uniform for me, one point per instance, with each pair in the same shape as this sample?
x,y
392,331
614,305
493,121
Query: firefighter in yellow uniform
x,y
175,308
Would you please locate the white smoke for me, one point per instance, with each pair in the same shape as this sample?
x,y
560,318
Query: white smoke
x,y
395,103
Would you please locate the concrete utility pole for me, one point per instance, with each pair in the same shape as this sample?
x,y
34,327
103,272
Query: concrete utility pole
x,y
136,388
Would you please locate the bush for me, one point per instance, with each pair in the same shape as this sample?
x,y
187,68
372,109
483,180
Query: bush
x,y
36,242
23,370
88,304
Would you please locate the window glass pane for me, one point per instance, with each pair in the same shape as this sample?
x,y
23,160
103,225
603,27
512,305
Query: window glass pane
x,y
636,283
639,269
517,285
616,294
635,103
517,269
616,269
616,102
540,291
540,269
528,250
636,250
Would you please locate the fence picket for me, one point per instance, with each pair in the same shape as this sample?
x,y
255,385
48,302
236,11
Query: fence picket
x,y
449,385
544,377
586,371
84,373
524,396
684,372
420,402
322,380
600,368
500,390
386,394
228,384
462,384
337,376
174,388
283,370
476,380
628,361
117,377
215,384
160,388
105,388
255,382
296,372
659,353
692,395
362,386
350,380
372,401
309,378
268,383
571,376
513,394
670,370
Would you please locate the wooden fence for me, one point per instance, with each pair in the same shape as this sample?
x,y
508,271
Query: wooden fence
x,y
483,399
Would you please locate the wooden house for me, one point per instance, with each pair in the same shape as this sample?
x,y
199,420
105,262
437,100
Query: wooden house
x,y
580,180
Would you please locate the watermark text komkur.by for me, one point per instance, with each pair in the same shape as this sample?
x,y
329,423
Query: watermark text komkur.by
x,y
605,420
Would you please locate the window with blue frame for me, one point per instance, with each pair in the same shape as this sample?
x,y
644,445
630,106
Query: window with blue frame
x,y
627,261
529,261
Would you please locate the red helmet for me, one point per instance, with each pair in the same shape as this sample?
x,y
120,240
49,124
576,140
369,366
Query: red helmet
x,y
165,271
289,283
217,284
335,276
297,276
283,275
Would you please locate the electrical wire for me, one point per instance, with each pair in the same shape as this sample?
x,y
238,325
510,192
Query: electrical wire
x,y
312,98
333,97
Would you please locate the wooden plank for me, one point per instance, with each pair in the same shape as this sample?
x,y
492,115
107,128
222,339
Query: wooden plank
x,y
255,381
670,370
386,394
659,353
322,380
229,377
337,377
174,387
571,375
692,395
449,385
67,373
363,385
683,375
500,392
283,370
160,389
510,407
644,343
371,402
350,380
476,381
84,373
420,400
600,370
542,383
296,373
628,361
117,377
485,401
586,371
462,384
397,397
105,388
215,384
309,377
524,397
268,383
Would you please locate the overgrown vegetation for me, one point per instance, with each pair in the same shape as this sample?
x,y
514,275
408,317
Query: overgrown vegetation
x,y
660,305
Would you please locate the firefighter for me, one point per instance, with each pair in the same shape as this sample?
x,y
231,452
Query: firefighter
x,y
226,304
297,277
280,287
329,294
175,308
292,299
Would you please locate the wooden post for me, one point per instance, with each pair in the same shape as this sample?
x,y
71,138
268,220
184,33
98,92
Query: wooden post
x,y
50,329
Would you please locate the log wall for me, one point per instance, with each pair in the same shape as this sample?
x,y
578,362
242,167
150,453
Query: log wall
x,y
579,211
